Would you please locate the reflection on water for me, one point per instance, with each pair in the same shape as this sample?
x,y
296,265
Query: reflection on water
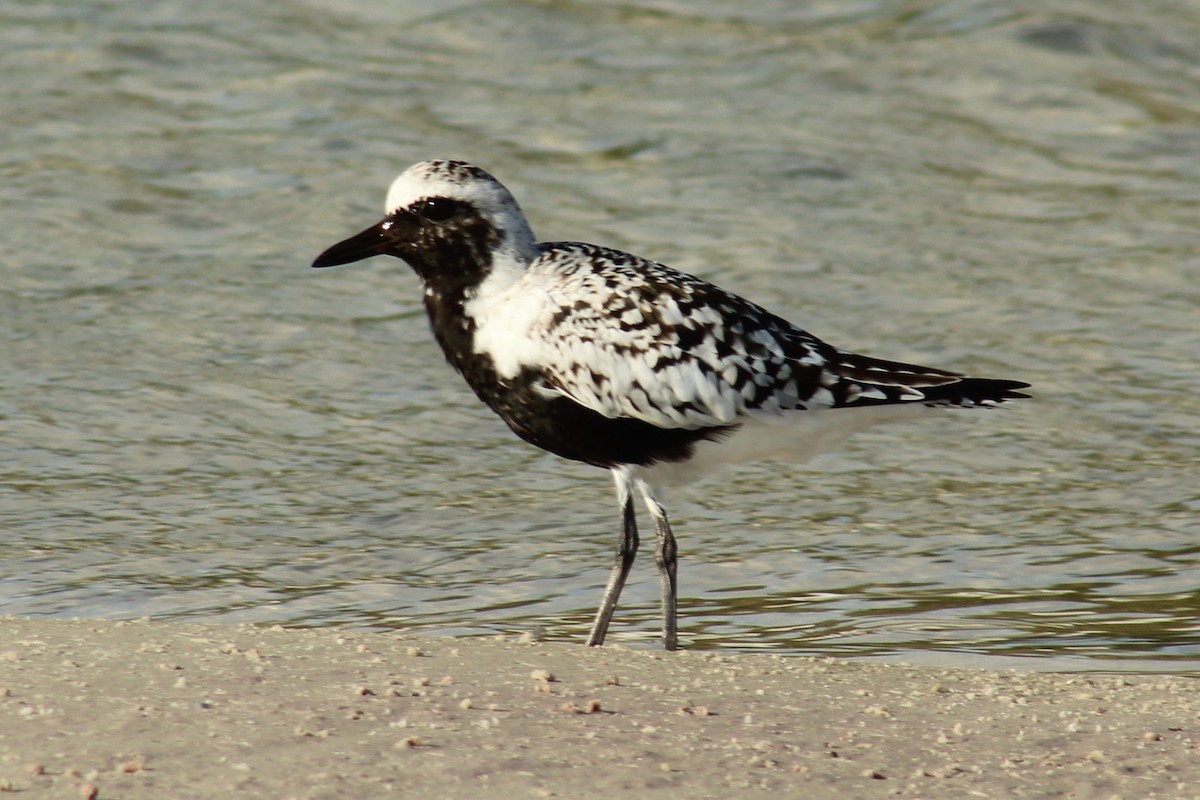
x,y
196,426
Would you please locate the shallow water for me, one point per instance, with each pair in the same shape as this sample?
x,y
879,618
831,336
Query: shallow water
x,y
195,425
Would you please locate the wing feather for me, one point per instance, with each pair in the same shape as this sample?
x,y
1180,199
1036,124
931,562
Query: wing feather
x,y
661,346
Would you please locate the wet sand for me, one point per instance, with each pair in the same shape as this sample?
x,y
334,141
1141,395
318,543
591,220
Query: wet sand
x,y
152,710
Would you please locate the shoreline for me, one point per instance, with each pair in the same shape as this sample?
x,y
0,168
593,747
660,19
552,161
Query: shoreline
x,y
147,709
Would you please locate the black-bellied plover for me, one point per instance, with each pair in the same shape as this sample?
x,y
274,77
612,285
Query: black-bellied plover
x,y
606,358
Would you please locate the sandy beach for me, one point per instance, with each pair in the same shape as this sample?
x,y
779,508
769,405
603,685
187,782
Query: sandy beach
x,y
151,710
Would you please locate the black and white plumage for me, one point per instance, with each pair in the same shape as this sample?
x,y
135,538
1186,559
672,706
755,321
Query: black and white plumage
x,y
607,358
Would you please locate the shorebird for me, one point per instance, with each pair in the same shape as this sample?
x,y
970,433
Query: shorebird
x,y
603,357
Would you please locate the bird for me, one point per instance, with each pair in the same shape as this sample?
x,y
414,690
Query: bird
x,y
620,362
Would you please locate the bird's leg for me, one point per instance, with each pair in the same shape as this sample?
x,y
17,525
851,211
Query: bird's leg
x,y
665,558
626,551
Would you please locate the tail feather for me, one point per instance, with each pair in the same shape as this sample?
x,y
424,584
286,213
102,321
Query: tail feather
x,y
876,371
975,392
866,381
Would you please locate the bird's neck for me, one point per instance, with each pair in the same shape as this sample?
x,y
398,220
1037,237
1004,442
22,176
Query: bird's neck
x,y
452,306
452,327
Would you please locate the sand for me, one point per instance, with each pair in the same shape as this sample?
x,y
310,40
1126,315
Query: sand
x,y
153,710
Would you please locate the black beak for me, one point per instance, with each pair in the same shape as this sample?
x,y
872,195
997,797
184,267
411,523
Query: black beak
x,y
371,242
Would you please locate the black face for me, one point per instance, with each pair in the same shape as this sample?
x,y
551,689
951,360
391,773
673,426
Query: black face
x,y
443,239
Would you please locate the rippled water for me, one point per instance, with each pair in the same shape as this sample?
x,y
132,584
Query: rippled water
x,y
194,425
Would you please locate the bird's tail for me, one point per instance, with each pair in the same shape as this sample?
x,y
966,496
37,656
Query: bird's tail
x,y
866,381
968,392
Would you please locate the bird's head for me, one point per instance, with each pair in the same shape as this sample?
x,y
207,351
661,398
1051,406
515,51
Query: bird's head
x,y
449,220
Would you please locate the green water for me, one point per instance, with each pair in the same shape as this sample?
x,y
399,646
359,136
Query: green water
x,y
194,425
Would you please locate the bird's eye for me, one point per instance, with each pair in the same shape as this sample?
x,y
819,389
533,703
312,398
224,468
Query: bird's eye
x,y
437,209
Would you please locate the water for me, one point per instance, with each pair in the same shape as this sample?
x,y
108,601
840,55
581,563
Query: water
x,y
196,426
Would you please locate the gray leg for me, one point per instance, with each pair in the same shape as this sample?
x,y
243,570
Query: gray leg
x,y
665,557
626,552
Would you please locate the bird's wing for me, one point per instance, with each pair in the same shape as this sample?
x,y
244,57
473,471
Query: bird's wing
x,y
627,337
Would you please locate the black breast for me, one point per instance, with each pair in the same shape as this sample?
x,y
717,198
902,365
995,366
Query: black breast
x,y
554,422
